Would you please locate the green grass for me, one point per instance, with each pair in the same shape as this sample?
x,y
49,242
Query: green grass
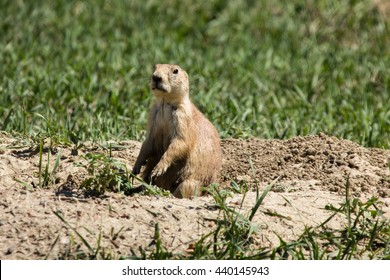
x,y
79,70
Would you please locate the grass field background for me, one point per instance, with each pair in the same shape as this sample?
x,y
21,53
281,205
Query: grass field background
x,y
79,70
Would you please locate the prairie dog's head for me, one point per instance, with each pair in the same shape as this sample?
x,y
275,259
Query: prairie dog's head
x,y
170,81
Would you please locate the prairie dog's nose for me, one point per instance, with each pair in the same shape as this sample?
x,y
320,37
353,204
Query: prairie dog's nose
x,y
156,78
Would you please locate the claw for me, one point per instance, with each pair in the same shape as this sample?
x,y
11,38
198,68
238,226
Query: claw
x,y
136,170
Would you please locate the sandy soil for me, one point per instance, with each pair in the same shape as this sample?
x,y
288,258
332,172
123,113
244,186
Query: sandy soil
x,y
312,172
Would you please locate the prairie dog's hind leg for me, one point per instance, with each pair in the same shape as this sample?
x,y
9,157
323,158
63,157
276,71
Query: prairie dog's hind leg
x,y
188,188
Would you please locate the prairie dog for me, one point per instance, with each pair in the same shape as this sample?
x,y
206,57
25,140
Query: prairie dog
x,y
182,151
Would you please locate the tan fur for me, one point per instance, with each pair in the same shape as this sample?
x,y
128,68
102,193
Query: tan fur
x,y
182,150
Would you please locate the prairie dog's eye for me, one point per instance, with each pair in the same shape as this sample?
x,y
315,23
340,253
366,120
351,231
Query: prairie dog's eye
x,y
175,71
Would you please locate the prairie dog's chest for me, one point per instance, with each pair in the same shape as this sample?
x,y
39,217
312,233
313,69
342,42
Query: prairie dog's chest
x,y
164,116
164,120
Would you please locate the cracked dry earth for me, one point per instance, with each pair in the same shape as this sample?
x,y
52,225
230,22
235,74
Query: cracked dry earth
x,y
311,172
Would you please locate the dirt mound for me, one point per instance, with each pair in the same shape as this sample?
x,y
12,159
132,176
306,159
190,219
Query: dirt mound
x,y
322,162
312,172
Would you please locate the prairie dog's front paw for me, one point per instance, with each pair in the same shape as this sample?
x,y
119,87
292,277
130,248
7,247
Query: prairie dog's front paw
x,y
159,170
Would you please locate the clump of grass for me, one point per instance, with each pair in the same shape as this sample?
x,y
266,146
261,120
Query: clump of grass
x,y
108,174
105,174
45,147
160,252
47,177
234,232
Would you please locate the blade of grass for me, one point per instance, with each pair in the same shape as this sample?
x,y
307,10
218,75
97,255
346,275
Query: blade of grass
x,y
261,198
57,162
85,242
40,163
52,246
